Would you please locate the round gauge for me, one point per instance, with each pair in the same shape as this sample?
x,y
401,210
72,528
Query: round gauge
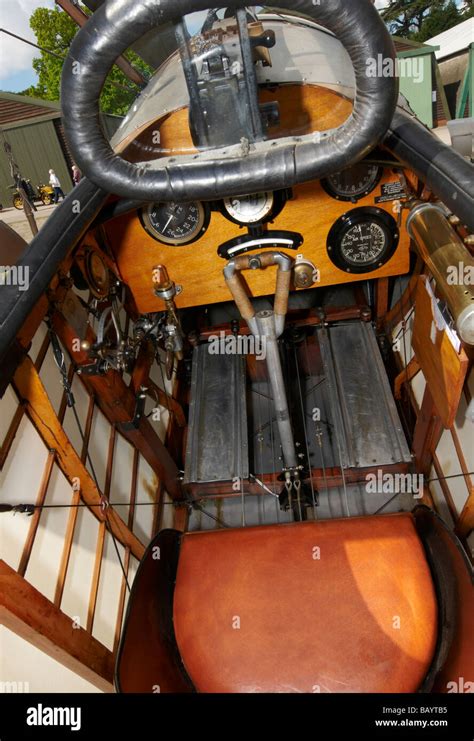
x,y
251,209
363,240
97,274
354,183
176,224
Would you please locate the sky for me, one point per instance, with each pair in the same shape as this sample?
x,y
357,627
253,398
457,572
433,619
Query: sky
x,y
16,72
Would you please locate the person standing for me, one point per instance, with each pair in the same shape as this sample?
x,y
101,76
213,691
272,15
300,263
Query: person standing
x,y
56,186
76,175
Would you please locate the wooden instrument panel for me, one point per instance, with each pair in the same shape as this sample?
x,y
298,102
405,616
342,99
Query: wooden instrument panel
x,y
197,268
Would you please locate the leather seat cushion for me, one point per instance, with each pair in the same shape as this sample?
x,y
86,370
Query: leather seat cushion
x,y
334,606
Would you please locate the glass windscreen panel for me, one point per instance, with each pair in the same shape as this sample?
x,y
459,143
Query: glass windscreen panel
x,y
240,78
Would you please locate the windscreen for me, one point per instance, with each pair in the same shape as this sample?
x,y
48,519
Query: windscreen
x,y
238,78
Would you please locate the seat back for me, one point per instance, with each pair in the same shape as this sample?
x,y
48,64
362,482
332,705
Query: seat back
x,y
453,666
148,660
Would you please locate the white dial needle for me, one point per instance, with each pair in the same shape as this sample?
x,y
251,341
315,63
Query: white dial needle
x,y
168,222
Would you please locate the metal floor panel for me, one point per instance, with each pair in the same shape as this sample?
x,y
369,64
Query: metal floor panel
x,y
217,447
265,449
337,371
366,420
358,424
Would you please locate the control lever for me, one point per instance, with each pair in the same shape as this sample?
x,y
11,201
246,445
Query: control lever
x,y
268,326
267,39
237,289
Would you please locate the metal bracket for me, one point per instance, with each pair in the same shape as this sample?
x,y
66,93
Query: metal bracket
x,y
140,401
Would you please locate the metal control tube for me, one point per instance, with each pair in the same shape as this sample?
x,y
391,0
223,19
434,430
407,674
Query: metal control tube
x,y
266,329
268,326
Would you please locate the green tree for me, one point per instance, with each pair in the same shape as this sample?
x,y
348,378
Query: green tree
x,y
439,20
404,16
55,30
421,19
468,10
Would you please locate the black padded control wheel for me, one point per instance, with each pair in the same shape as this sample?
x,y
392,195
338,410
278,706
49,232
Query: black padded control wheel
x,y
212,175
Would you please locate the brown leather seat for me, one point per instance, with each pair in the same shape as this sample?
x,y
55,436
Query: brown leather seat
x,y
334,606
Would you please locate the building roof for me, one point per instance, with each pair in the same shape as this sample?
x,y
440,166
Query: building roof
x,y
402,44
15,108
455,40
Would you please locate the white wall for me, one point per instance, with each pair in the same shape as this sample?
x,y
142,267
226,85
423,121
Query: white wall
x,y
34,670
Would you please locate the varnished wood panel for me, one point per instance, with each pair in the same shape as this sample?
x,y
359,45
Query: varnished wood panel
x,y
198,269
465,524
303,109
444,369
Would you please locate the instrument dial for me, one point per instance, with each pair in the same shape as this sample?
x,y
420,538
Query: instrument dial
x,y
97,274
354,183
364,243
176,224
363,240
252,209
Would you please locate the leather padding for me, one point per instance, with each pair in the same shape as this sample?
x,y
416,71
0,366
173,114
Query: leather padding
x,y
450,176
263,610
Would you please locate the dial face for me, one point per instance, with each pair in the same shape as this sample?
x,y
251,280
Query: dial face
x,y
364,243
249,209
363,240
354,183
176,223
97,275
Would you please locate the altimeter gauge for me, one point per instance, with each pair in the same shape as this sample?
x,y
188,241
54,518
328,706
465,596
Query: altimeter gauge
x,y
176,224
353,183
363,240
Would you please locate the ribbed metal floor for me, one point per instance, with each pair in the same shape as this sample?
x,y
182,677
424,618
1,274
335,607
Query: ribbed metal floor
x,y
343,416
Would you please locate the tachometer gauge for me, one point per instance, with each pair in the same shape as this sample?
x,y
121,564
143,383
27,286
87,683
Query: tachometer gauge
x,y
354,183
253,209
363,240
176,224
